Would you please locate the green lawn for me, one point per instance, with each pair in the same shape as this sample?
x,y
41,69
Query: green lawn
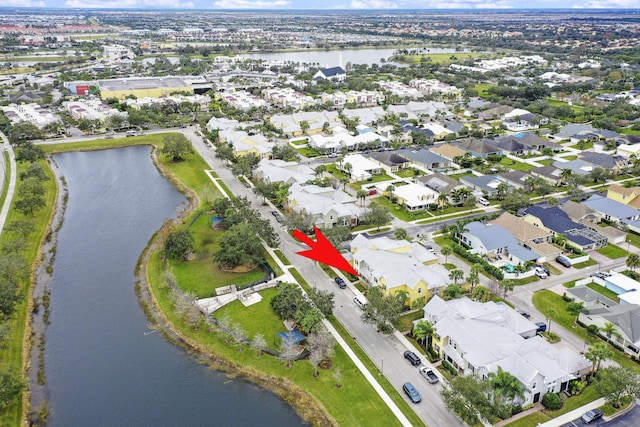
x,y
545,299
408,173
526,280
571,157
399,211
333,170
442,58
515,165
308,152
604,291
587,146
281,257
483,89
634,239
612,251
570,284
406,320
11,353
257,318
585,264
545,162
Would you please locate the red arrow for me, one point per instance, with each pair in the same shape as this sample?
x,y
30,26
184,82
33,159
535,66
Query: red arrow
x,y
323,251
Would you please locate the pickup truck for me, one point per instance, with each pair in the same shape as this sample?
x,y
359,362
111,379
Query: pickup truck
x,y
428,374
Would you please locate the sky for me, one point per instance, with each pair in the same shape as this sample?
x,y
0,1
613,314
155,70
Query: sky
x,y
329,4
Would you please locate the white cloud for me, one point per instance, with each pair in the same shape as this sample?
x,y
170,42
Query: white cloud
x,y
246,4
24,3
129,4
607,4
372,4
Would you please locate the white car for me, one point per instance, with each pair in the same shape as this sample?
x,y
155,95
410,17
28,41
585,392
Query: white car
x,y
541,273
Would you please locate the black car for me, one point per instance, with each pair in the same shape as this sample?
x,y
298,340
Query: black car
x,y
541,327
340,282
591,416
524,314
412,358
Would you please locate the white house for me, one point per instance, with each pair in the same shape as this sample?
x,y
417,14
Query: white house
x,y
477,338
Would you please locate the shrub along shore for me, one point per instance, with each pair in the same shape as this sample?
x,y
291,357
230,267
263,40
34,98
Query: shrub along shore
x,y
316,399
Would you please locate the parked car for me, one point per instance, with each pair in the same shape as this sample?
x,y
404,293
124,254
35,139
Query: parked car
x,y
411,391
524,314
412,358
360,301
430,248
541,327
340,282
429,375
591,416
561,259
541,273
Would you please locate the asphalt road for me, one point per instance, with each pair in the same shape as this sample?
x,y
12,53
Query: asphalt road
x,y
629,419
384,350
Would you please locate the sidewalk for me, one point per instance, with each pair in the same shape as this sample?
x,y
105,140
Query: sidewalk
x,y
572,415
4,211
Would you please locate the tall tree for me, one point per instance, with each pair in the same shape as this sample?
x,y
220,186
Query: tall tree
x,y
506,385
633,261
455,275
378,215
382,310
507,285
239,246
610,330
615,383
423,331
575,308
176,146
597,353
446,251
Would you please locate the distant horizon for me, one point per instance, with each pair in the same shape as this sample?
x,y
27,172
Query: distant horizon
x,y
330,5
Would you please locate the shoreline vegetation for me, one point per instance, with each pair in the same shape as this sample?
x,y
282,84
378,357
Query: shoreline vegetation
x,y
307,395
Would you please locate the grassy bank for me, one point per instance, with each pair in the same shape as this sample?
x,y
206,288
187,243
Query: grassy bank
x,y
317,399
14,354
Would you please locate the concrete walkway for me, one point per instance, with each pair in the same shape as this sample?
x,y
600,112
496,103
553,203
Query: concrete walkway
x,y
12,181
572,415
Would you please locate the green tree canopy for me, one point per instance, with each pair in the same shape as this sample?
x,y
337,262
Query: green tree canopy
x,y
239,246
179,244
176,146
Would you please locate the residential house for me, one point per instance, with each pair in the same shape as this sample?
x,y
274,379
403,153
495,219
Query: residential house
x,y
326,205
613,211
515,179
32,113
551,174
244,144
415,197
275,170
628,150
362,169
536,239
482,185
577,166
616,164
334,73
478,147
557,221
439,182
439,132
366,116
414,130
478,338
629,196
447,151
525,143
398,266
495,113
590,217
625,318
496,242
390,160
426,158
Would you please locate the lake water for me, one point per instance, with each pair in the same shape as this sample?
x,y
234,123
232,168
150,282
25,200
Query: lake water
x,y
101,368
332,58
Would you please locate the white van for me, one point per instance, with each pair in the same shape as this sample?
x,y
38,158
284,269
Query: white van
x,y
360,301
483,201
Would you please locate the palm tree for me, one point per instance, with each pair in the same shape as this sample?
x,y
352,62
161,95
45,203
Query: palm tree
x,y
507,285
423,331
575,308
455,275
597,353
348,168
566,174
633,261
443,200
344,181
506,385
458,228
390,194
550,313
320,169
446,251
361,195
474,275
610,330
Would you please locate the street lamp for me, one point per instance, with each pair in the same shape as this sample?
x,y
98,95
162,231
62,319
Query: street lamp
x,y
584,347
628,247
382,367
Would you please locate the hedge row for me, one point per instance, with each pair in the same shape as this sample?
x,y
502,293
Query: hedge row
x,y
476,259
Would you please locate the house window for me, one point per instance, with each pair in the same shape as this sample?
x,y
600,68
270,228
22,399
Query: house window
x,y
419,290
534,385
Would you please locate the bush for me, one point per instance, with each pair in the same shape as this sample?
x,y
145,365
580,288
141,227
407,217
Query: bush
x,y
592,329
566,298
475,259
551,401
449,368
